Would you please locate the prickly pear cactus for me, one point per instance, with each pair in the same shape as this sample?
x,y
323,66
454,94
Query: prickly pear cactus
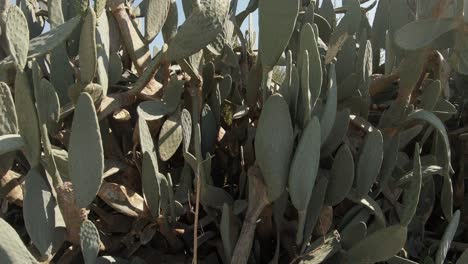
x,y
338,137
86,160
89,241
17,33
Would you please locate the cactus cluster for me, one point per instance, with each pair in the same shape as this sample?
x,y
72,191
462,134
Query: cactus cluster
x,y
334,140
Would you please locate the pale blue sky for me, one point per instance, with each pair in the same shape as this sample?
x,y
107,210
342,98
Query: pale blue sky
x,y
242,4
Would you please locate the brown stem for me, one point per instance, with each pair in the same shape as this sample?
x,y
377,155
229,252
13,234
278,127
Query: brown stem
x,y
10,189
195,224
115,102
196,93
440,8
72,214
415,65
146,79
322,248
138,51
414,94
123,199
244,244
170,235
258,199
379,85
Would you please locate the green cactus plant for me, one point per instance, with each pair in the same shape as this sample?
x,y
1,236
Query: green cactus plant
x,y
86,159
334,140
89,241
18,35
